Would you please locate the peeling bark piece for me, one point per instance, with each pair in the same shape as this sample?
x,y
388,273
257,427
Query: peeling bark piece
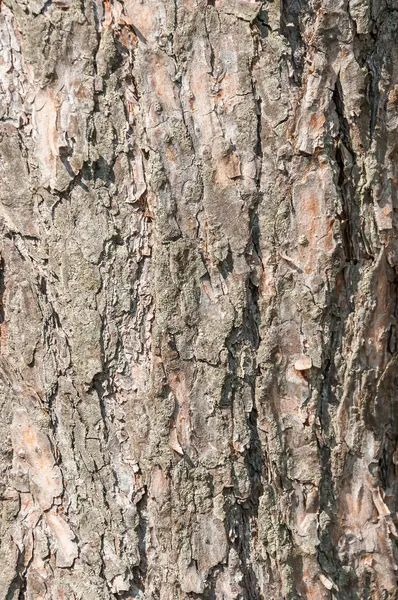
x,y
326,582
174,443
192,581
67,550
304,363
34,457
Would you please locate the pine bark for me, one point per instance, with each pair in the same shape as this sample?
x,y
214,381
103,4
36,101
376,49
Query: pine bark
x,y
198,299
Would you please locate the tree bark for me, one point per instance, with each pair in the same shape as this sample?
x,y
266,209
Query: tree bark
x,y
199,253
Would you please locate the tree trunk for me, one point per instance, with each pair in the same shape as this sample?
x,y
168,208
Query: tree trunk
x,y
199,254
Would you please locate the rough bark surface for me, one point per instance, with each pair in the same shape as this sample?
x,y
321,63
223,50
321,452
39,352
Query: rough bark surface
x,y
199,251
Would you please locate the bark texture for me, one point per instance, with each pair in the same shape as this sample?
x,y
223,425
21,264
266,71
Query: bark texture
x,y
199,251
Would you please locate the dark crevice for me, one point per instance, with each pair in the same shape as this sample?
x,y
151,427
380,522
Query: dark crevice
x,y
344,128
344,180
19,585
327,555
261,23
98,382
140,572
290,26
212,55
227,265
373,92
343,216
